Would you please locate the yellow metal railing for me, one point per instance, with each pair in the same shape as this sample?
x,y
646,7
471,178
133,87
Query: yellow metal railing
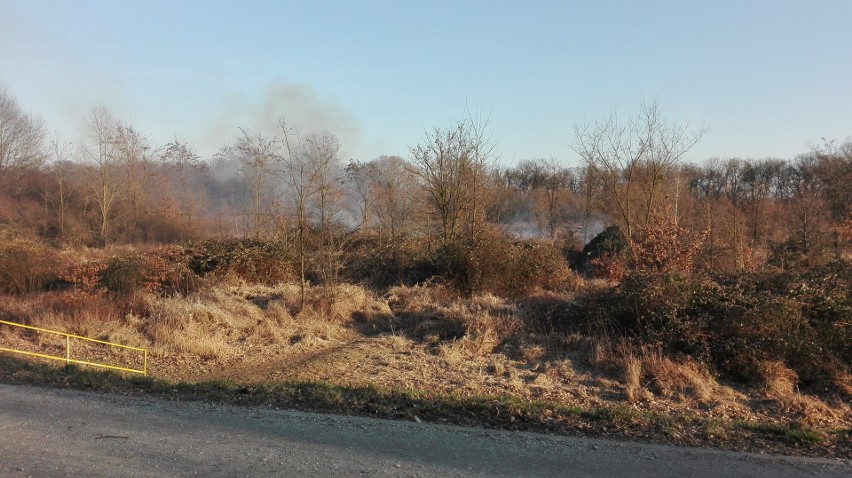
x,y
68,359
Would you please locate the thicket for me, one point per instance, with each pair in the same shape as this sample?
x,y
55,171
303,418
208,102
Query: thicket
x,y
735,323
253,260
492,262
26,265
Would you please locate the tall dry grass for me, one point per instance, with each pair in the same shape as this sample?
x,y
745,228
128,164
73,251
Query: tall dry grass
x,y
225,320
780,384
459,326
647,374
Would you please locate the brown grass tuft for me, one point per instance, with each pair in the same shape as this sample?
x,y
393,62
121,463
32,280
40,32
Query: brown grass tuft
x,y
684,381
778,380
632,377
646,373
780,385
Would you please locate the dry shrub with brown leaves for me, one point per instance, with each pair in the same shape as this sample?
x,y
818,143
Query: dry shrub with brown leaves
x,y
26,265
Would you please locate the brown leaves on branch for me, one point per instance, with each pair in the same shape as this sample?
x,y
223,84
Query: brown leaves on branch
x,y
659,246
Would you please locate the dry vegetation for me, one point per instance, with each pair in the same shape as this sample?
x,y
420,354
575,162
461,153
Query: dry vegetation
x,y
432,341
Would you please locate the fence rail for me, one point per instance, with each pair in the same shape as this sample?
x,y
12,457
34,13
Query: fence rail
x,y
69,359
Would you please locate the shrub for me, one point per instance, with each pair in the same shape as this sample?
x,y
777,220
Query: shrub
x,y
161,272
26,265
255,261
659,308
735,323
538,266
492,262
372,260
601,251
659,246
662,245
476,264
85,284
123,273
165,272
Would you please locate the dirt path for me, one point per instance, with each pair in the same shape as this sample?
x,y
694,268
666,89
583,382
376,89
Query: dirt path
x,y
51,432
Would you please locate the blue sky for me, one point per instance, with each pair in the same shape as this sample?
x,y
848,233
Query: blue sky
x,y
767,78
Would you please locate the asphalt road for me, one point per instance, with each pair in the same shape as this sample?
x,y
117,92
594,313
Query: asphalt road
x,y
54,433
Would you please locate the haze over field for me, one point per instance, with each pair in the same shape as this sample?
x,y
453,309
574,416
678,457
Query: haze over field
x,y
769,78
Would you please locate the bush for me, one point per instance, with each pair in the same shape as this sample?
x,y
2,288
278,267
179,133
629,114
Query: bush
x,y
609,244
735,323
665,311
495,263
26,265
490,262
162,272
373,261
255,261
123,273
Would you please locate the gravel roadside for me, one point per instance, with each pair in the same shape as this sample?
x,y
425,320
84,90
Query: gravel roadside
x,y
57,432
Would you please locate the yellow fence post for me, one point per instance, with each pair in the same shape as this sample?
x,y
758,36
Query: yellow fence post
x,y
67,350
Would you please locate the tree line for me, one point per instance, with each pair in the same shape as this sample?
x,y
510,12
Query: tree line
x,y
113,185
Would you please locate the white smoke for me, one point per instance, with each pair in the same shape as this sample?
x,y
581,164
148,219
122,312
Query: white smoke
x,y
300,105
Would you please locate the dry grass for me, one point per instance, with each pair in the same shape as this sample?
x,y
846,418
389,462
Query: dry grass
x,y
422,338
684,380
633,388
467,327
780,385
230,319
648,375
221,321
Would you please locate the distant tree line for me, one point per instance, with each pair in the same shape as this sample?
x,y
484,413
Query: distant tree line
x,y
113,185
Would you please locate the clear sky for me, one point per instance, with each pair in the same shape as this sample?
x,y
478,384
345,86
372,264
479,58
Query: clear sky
x,y
767,77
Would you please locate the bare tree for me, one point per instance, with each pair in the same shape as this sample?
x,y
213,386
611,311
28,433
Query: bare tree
x,y
483,147
453,165
322,152
834,170
301,179
59,195
21,140
135,155
104,180
589,185
395,196
551,193
257,156
361,179
632,159
183,162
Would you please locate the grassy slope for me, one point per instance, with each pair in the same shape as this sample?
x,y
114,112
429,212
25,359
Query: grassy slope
x,y
423,354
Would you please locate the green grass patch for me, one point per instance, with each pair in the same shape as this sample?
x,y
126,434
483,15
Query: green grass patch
x,y
793,433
